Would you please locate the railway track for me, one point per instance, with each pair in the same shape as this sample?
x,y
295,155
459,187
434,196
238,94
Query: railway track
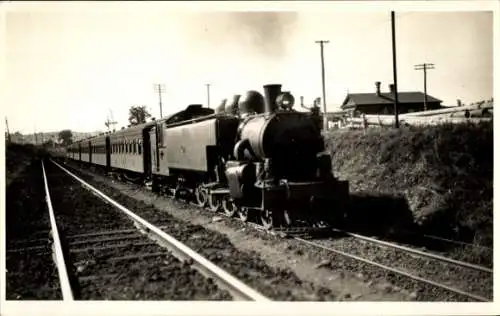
x,y
437,271
91,263
426,268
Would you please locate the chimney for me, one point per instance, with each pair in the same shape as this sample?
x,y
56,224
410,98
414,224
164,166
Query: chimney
x,y
302,101
391,88
221,107
271,92
459,103
377,86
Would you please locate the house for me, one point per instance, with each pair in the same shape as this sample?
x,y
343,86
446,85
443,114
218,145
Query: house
x,y
383,102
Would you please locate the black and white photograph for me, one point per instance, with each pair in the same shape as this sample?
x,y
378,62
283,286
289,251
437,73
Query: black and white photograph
x,y
215,152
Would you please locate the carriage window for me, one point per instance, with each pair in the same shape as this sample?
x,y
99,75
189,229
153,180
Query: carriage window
x,y
139,148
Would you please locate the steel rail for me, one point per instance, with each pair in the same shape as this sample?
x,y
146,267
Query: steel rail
x,y
238,289
406,274
451,241
417,252
67,293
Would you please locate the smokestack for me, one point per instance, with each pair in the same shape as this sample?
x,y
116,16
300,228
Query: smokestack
x,y
221,107
232,108
271,92
377,87
459,103
391,88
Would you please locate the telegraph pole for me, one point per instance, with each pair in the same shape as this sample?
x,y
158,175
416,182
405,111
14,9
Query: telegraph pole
x,y
325,120
160,88
394,71
424,67
208,94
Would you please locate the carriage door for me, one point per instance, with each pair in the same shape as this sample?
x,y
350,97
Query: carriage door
x,y
154,149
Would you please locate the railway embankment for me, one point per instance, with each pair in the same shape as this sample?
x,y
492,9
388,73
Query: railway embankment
x,y
432,180
17,159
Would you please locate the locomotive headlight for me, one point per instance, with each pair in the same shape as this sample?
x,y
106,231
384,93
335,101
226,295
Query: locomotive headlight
x,y
285,100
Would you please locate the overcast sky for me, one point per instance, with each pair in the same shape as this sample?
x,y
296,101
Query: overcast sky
x,y
69,68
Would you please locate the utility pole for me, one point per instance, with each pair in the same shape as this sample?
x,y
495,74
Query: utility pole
x,y
394,71
424,67
325,120
160,88
208,94
8,132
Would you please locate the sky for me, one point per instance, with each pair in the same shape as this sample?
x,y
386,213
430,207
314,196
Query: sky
x,y
70,68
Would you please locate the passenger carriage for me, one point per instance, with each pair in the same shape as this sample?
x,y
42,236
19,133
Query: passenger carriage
x,y
86,153
99,147
130,149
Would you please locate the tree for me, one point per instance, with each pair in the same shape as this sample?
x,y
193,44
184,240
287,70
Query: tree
x,y
66,136
138,114
48,143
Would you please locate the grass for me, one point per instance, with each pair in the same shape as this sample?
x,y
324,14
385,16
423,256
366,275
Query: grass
x,y
444,172
17,158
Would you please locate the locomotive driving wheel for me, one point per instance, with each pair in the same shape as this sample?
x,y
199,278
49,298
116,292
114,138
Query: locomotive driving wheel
x,y
243,213
229,206
200,196
214,202
267,218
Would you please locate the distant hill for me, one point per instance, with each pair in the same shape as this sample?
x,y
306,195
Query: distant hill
x,y
42,137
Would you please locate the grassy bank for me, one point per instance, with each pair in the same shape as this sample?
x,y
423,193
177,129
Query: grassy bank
x,y
445,174
17,158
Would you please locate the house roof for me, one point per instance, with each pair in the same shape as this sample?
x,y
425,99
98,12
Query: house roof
x,y
354,99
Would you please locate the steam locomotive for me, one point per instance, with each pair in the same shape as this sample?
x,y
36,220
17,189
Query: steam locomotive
x,y
254,157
